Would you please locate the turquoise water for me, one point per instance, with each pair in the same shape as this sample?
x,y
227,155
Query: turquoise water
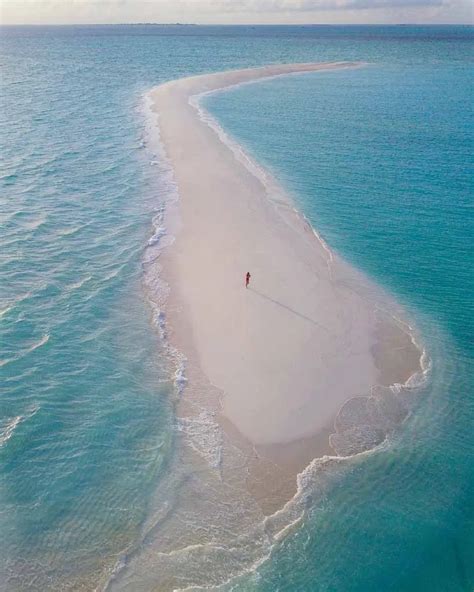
x,y
378,159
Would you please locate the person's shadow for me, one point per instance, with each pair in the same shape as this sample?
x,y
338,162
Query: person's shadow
x,y
292,310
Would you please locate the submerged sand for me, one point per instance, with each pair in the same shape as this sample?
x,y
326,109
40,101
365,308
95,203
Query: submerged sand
x,y
276,361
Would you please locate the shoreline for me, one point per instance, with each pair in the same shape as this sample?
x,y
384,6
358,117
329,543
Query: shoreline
x,y
235,496
290,442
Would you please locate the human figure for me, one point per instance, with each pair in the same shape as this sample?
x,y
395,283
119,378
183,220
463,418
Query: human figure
x,y
247,279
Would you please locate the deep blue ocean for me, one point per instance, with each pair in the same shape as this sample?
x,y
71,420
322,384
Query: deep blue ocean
x,y
380,161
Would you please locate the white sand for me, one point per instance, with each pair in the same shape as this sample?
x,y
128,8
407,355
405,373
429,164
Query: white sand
x,y
289,351
268,368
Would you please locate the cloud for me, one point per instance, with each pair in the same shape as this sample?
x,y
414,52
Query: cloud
x,y
235,11
288,6
269,6
219,6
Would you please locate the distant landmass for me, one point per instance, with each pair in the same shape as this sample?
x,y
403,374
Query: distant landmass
x,y
159,24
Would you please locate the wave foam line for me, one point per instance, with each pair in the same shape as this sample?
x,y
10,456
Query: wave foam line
x,y
10,424
156,288
27,351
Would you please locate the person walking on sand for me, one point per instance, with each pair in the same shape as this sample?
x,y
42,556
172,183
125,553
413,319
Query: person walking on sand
x,y
247,279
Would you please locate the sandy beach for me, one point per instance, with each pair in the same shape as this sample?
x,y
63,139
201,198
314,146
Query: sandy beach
x,y
274,362
282,378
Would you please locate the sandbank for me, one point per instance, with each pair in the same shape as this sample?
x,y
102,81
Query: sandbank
x,y
277,361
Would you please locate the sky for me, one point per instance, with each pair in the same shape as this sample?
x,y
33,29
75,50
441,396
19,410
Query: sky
x,y
236,11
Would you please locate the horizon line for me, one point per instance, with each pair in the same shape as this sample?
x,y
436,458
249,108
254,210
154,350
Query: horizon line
x,y
178,24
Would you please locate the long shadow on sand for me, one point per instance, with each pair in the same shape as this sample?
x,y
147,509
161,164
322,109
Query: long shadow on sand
x,y
292,310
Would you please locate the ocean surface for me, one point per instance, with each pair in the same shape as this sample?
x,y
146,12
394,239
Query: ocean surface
x,y
379,159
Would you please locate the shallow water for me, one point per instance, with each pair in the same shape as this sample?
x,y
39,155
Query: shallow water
x,y
377,159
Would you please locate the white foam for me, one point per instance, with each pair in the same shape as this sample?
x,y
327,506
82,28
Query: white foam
x,y
5,310
70,231
8,428
204,435
38,344
167,192
159,233
79,283
26,351
161,238
159,322
180,379
326,249
420,377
